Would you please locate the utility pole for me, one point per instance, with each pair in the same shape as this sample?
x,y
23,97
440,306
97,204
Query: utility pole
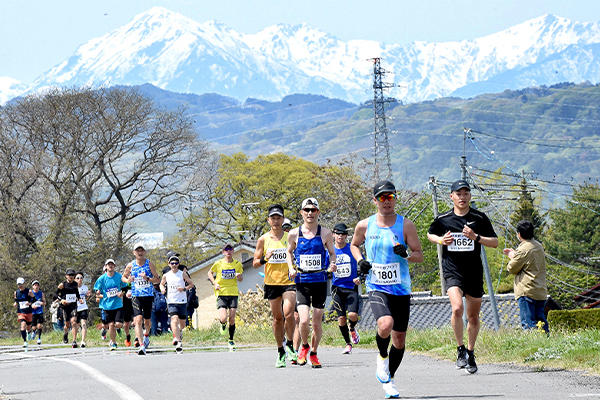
x,y
433,187
381,149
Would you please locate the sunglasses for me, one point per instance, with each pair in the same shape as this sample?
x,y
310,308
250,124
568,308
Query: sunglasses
x,y
340,233
308,210
386,197
228,249
79,278
174,263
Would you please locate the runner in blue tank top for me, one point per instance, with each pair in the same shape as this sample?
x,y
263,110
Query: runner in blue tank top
x,y
37,311
23,300
141,273
387,236
307,246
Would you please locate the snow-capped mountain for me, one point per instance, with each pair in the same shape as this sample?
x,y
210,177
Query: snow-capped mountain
x,y
10,88
176,53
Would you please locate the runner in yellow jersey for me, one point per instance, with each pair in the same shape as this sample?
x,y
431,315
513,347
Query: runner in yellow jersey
x,y
271,251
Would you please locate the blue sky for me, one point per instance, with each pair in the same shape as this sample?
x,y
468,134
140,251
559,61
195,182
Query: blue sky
x,y
36,35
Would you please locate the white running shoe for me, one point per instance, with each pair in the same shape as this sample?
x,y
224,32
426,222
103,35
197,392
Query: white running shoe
x,y
390,390
383,369
146,341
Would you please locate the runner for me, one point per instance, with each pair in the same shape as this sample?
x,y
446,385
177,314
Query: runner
x,y
23,300
307,246
177,282
287,227
228,273
37,322
344,287
462,231
386,236
271,251
128,315
68,294
109,292
141,273
82,308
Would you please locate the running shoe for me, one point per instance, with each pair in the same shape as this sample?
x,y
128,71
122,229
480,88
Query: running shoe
x,y
103,334
314,361
223,330
127,342
291,354
355,336
113,346
280,360
471,364
348,349
66,338
31,335
25,344
146,340
179,347
231,345
136,342
74,345
302,355
142,351
110,343
461,358
390,390
383,369
175,341
83,345
39,341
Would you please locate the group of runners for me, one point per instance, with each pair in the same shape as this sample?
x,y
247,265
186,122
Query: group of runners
x,y
296,266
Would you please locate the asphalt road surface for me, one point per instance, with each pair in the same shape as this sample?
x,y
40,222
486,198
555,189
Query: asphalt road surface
x,y
57,372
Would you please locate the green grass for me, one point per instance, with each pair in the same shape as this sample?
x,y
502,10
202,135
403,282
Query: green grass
x,y
560,350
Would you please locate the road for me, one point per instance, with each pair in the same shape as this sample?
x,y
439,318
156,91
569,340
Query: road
x,y
57,372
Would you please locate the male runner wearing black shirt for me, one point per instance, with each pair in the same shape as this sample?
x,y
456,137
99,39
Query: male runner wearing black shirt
x,y
68,294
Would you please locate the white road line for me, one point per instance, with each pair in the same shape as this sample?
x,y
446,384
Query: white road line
x,y
124,391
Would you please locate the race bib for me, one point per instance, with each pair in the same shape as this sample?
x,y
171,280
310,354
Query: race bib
x,y
38,303
279,256
141,283
23,304
461,243
71,298
386,274
310,262
344,268
228,274
112,292
173,287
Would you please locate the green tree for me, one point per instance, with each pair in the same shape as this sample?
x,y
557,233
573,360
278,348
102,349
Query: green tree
x,y
527,210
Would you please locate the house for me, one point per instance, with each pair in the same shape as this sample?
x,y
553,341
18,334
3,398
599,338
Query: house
x,y
206,313
591,297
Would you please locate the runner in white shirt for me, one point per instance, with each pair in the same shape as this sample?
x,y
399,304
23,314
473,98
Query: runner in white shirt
x,y
82,308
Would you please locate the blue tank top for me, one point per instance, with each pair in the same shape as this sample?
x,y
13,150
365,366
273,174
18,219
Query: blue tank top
x,y
40,309
140,286
22,298
390,271
346,268
310,258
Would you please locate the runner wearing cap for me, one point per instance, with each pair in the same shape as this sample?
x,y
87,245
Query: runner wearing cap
x,y
37,313
287,226
141,273
227,273
462,231
24,298
344,287
387,236
82,307
68,294
174,285
109,292
307,247
271,251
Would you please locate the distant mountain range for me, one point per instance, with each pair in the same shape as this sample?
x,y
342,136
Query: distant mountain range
x,y
175,53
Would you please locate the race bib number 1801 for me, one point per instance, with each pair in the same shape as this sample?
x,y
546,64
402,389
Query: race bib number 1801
x,y
386,274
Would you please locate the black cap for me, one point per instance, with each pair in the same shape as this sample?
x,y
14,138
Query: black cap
x,y
340,228
166,269
171,253
275,209
228,245
457,185
383,187
70,271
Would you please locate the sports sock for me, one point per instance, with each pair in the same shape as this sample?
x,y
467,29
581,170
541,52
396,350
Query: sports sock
x,y
313,353
24,335
382,345
396,356
352,324
39,332
281,350
231,331
345,333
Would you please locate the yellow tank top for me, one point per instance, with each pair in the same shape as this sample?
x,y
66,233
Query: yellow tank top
x,y
276,269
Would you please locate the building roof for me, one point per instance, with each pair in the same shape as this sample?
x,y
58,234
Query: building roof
x,y
248,245
590,295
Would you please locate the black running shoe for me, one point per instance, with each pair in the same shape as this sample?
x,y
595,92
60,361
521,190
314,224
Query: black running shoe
x,y
74,345
66,338
471,365
461,359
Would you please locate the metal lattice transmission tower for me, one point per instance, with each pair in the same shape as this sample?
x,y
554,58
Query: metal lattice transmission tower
x,y
381,149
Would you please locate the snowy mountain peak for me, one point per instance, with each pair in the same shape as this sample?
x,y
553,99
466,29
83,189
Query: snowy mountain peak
x,y
176,53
